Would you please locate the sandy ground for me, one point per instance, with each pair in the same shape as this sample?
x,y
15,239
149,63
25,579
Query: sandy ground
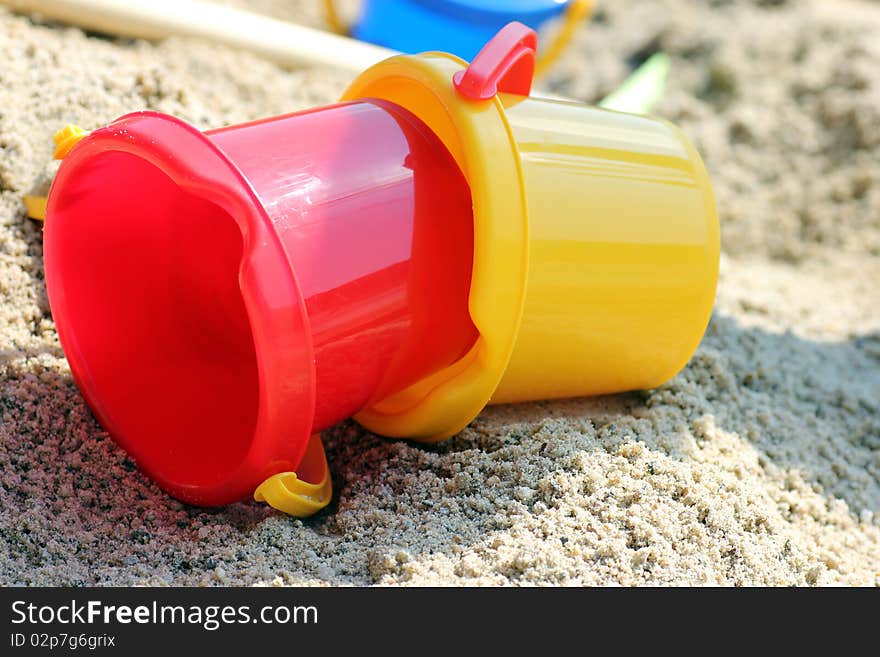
x,y
758,464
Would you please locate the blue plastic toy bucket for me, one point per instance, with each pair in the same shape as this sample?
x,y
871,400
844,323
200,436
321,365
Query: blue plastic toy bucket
x,y
460,27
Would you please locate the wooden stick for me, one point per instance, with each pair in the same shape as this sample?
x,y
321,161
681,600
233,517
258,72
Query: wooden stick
x,y
283,42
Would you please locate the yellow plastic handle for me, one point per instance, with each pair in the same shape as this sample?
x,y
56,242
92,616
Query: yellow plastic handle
x,y
333,19
35,206
575,12
293,494
65,139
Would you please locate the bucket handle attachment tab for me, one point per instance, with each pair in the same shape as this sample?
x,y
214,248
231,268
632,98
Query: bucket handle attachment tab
x,y
506,64
293,494
66,138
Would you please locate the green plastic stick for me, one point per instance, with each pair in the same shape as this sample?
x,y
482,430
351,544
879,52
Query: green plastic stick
x,y
641,90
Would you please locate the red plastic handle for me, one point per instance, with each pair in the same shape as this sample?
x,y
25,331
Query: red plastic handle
x,y
506,64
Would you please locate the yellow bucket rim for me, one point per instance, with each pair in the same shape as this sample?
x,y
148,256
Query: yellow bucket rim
x,y
478,136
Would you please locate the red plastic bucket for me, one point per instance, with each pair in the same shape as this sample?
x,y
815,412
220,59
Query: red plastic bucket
x,y
221,296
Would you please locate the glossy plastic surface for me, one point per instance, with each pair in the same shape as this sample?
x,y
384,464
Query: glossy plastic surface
x,y
221,296
375,218
595,255
460,27
476,134
506,63
624,248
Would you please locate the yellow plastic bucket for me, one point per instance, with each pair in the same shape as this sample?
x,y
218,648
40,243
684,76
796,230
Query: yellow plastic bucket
x,y
596,239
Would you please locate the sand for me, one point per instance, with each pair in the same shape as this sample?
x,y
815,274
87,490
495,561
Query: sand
x,y
758,464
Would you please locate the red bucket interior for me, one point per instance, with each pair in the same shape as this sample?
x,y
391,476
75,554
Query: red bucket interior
x,y
155,324
359,257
